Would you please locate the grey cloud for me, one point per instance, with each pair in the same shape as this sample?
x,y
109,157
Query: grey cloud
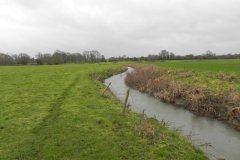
x,y
132,27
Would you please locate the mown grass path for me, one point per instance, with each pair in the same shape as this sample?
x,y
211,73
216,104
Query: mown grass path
x,y
42,132
58,112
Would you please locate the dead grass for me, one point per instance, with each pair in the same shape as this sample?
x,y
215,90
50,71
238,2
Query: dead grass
x,y
198,99
145,129
226,77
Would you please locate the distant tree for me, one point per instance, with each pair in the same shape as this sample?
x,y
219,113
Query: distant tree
x,y
48,58
113,59
6,59
58,57
152,57
22,58
142,58
164,54
92,56
103,59
77,58
189,56
45,58
209,55
40,59
171,55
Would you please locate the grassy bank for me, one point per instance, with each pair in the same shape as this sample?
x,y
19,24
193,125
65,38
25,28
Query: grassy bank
x,y
214,92
58,112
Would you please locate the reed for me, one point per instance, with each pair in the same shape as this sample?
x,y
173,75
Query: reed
x,y
196,98
144,128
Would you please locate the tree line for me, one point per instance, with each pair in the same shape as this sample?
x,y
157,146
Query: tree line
x,y
61,57
58,57
166,55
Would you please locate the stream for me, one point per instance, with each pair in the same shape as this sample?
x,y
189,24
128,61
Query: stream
x,y
214,137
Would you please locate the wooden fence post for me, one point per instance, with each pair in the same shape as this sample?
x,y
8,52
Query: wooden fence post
x,y
126,100
106,88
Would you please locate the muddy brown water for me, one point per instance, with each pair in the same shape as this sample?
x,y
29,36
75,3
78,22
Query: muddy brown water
x,y
224,141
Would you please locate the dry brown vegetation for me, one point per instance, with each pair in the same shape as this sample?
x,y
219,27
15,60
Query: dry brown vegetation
x,y
145,129
223,105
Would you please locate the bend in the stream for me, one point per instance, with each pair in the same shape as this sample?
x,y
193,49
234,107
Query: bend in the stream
x,y
224,140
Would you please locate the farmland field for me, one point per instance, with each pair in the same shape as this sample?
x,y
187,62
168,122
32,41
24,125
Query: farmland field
x,y
58,112
220,75
226,66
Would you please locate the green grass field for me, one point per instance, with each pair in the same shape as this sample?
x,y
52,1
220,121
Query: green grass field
x,y
226,66
58,112
216,75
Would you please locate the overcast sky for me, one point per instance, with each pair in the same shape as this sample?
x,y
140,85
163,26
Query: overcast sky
x,y
117,27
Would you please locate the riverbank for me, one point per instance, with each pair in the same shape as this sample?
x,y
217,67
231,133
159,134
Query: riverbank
x,y
59,112
205,94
